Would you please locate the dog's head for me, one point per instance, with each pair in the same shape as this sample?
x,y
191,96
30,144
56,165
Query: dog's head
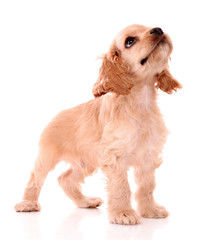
x,y
137,55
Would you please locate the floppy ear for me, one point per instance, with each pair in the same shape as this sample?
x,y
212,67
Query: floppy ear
x,y
113,75
166,82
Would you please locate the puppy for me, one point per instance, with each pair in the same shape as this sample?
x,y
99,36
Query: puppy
x,y
121,128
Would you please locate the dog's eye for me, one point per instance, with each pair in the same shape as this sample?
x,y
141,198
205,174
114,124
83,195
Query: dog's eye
x,y
130,41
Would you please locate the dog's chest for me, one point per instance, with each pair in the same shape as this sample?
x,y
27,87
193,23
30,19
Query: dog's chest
x,y
148,137
132,133
148,128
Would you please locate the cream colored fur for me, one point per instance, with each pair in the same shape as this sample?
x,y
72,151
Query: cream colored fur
x,y
121,128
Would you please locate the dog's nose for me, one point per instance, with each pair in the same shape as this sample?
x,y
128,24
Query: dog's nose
x,y
157,31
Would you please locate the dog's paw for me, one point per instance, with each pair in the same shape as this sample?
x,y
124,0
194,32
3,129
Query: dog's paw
x,y
90,202
125,217
27,206
154,211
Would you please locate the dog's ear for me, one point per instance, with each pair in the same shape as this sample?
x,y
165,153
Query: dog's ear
x,y
166,82
113,75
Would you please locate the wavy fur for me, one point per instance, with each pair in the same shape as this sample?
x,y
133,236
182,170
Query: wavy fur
x,y
121,128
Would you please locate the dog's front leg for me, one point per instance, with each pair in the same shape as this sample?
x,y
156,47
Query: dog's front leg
x,y
147,207
119,196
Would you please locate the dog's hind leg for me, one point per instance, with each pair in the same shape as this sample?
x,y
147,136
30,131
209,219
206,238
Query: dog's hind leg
x,y
44,163
70,183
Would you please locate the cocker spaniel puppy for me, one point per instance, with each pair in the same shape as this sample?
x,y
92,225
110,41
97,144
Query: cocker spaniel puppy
x,y
121,128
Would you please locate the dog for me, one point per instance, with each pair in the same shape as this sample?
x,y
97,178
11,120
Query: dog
x,y
121,127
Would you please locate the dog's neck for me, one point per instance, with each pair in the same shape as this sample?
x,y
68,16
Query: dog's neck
x,y
143,95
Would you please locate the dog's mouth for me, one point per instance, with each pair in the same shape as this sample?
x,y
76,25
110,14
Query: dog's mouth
x,y
161,41
143,61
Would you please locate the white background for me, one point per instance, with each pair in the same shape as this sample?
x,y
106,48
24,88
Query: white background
x,y
48,52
